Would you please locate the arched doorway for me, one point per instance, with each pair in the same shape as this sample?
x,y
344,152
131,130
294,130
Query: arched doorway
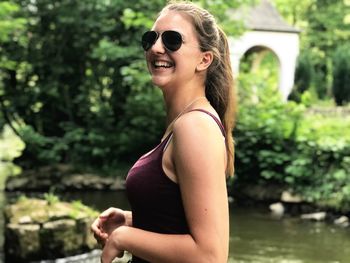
x,y
259,72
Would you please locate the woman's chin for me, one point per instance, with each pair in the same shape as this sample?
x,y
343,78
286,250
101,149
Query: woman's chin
x,y
159,82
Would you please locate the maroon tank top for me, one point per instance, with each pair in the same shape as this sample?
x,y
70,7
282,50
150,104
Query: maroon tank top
x,y
155,199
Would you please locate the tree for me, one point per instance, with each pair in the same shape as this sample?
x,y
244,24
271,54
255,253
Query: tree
x,y
11,30
341,75
324,26
69,85
79,90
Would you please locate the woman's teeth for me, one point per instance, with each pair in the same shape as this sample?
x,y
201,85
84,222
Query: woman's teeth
x,y
162,64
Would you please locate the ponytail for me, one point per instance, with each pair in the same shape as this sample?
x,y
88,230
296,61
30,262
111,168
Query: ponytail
x,y
221,94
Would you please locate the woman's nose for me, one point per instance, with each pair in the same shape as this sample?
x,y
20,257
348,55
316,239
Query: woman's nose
x,y
158,46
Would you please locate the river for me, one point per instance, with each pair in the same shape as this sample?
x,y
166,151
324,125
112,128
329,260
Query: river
x,y
258,237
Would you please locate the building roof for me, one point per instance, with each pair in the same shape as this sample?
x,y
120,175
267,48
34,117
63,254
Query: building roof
x,y
265,17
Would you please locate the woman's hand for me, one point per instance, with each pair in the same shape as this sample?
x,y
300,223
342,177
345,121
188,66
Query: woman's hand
x,y
112,249
107,222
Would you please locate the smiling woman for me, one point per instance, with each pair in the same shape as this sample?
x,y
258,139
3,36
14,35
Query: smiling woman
x,y
177,191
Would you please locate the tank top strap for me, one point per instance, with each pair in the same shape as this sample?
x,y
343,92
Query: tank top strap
x,y
216,119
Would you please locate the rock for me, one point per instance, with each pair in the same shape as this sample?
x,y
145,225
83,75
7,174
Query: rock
x,y
26,208
319,216
87,181
23,241
342,221
60,238
83,226
25,220
64,178
37,229
288,197
14,183
277,209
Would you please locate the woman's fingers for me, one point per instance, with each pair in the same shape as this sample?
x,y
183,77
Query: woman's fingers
x,y
106,223
98,232
115,214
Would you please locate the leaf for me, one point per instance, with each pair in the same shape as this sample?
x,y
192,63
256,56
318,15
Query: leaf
x,y
11,145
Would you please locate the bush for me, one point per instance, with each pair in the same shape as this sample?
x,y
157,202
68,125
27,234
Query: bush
x,y
265,128
278,143
304,75
320,173
341,75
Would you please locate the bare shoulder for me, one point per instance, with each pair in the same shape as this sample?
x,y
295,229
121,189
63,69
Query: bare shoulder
x,y
198,124
197,134
198,149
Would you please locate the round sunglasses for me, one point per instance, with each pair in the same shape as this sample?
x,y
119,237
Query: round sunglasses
x,y
172,40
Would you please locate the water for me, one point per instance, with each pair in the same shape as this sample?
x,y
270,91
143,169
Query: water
x,y
258,237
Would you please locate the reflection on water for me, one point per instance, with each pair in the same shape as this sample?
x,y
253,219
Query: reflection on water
x,y
256,237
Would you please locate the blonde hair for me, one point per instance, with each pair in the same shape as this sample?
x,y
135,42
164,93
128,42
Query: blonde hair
x,y
219,84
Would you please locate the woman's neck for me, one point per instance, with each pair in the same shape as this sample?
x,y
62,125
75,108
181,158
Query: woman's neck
x,y
178,104
179,95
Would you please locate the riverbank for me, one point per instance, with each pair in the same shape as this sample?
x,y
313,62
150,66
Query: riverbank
x,y
64,178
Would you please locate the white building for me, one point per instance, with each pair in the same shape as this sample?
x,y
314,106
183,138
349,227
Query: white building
x,y
268,31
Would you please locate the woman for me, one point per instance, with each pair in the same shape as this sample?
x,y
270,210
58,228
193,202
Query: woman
x,y
178,190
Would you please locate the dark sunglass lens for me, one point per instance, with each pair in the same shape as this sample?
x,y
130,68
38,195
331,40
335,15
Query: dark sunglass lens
x,y
148,39
172,40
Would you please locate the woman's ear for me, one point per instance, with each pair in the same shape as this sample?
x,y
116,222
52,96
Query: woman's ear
x,y
207,59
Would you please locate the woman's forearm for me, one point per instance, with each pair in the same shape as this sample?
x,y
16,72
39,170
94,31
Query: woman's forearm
x,y
166,248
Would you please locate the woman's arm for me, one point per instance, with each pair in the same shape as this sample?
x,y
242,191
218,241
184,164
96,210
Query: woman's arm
x,y
198,154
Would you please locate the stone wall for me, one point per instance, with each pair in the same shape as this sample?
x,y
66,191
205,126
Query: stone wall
x,y
61,178
38,229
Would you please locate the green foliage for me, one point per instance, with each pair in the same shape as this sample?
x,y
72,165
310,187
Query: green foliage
x,y
22,198
51,198
8,23
326,30
319,172
11,147
11,30
294,11
325,129
79,209
281,143
78,89
341,75
304,76
223,9
68,90
324,26
265,128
